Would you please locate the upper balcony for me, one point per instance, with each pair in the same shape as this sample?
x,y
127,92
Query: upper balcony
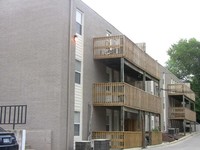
x,y
121,47
123,94
181,89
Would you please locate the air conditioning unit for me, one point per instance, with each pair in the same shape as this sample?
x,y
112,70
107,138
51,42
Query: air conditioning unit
x,y
101,144
172,131
83,145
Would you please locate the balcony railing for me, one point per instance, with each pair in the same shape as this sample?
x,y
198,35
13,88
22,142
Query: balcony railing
x,y
181,89
126,139
156,138
182,113
120,46
123,94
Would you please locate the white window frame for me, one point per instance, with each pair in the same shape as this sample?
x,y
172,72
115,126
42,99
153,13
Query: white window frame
x,y
78,71
77,123
79,22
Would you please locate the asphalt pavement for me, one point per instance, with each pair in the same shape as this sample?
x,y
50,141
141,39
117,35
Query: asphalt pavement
x,y
188,142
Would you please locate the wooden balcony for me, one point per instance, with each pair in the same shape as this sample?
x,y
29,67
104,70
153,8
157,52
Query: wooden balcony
x,y
181,89
182,113
123,94
126,139
121,47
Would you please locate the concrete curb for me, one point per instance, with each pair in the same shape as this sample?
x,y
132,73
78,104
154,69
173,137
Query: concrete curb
x,y
167,143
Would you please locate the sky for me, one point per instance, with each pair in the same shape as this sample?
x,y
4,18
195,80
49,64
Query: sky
x,y
158,23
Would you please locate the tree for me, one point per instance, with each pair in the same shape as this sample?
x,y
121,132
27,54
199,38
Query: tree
x,y
184,62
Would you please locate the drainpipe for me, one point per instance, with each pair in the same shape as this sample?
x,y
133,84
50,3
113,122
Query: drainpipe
x,y
70,109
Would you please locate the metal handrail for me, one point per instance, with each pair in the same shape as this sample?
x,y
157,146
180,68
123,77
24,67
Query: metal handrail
x,y
13,114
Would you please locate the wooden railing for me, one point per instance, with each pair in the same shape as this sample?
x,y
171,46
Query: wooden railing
x,y
156,138
123,94
182,113
126,139
120,46
120,139
181,89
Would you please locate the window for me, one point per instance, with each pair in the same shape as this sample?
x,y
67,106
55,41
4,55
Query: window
x,y
77,72
76,123
79,20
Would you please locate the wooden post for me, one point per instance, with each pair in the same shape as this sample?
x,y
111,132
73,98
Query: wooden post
x,y
195,127
122,70
144,79
183,102
149,122
159,122
184,125
113,119
122,80
150,128
119,121
122,119
184,122
140,120
189,105
159,91
155,122
143,129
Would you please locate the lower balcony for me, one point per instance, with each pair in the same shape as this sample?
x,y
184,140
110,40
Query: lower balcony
x,y
182,113
127,139
123,94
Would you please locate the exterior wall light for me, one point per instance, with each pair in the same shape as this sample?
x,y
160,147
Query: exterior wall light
x,y
75,38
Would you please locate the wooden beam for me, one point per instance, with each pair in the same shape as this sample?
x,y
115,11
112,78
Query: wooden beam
x,y
133,67
131,110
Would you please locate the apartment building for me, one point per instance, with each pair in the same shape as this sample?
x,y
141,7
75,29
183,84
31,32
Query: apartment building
x,y
112,96
178,103
79,77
